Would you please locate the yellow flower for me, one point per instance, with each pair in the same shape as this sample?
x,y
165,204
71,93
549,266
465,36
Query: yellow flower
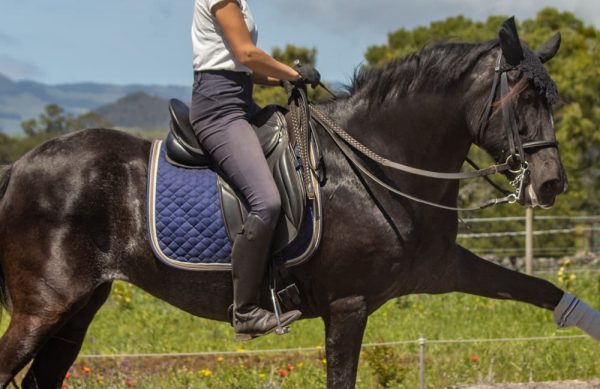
x,y
205,372
262,375
220,359
240,349
324,361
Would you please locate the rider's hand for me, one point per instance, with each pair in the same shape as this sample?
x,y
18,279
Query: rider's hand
x,y
309,75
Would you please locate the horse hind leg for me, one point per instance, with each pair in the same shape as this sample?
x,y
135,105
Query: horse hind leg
x,y
472,274
39,310
57,355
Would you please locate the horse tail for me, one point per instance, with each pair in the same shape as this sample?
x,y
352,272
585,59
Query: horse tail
x,y
4,179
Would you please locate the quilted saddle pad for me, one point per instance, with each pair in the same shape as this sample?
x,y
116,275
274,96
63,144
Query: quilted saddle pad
x,y
185,221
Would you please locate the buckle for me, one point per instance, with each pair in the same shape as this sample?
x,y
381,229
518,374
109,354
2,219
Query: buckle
x,y
515,164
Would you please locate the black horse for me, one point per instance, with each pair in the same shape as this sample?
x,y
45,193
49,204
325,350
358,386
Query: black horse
x,y
72,214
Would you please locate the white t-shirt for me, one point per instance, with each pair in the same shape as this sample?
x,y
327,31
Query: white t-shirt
x,y
211,51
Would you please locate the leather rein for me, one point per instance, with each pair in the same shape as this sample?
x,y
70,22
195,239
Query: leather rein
x,y
514,164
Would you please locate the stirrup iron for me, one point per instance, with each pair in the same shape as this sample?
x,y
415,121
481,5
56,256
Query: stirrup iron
x,y
280,330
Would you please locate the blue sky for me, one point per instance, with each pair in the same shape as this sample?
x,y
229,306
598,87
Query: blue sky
x,y
148,41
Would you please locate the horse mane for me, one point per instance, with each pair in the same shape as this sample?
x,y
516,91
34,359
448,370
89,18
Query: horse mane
x,y
436,68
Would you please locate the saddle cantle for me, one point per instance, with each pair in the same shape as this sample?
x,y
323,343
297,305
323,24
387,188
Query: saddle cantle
x,y
299,228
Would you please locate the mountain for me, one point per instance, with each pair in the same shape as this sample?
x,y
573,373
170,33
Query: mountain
x,y
137,110
22,100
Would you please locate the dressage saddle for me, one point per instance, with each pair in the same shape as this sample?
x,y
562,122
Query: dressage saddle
x,y
184,150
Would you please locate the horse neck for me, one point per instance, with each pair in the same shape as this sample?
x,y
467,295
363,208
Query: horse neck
x,y
424,130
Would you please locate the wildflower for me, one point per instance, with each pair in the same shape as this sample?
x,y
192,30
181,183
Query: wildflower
x,y
324,361
283,373
474,358
205,373
240,349
68,376
220,359
130,383
262,375
290,367
86,370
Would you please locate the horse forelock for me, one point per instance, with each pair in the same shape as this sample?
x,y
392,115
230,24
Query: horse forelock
x,y
436,68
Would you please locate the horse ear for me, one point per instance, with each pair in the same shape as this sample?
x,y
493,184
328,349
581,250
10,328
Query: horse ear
x,y
548,49
510,43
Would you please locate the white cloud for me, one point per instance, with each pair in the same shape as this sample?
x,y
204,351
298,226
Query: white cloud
x,y
17,69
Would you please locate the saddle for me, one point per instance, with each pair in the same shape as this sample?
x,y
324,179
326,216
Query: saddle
x,y
184,150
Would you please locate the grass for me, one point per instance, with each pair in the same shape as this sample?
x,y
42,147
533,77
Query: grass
x,y
134,322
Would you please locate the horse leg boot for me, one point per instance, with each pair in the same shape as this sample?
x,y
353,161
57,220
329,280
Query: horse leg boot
x,y
249,257
475,275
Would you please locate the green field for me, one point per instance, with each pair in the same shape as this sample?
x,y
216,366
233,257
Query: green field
x,y
133,322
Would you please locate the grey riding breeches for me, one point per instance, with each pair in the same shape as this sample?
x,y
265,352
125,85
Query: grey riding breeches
x,y
221,109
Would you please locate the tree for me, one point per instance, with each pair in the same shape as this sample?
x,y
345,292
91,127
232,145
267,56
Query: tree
x,y
55,121
89,120
273,95
51,121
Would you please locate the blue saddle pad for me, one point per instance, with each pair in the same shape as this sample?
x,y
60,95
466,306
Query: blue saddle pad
x,y
185,222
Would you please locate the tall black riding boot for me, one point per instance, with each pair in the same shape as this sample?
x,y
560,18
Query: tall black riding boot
x,y
249,257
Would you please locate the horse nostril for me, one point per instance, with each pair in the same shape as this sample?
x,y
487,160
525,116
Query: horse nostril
x,y
552,187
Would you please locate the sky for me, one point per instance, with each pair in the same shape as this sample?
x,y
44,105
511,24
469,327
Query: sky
x,y
148,41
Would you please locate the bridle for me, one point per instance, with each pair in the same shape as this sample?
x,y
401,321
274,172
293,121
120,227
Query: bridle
x,y
515,145
515,163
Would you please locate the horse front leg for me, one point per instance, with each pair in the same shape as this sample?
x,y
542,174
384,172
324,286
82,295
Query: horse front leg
x,y
344,328
471,274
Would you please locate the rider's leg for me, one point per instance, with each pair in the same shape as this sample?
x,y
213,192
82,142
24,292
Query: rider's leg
x,y
220,120
238,153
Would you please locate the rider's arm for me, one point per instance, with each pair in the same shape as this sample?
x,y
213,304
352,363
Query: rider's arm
x,y
260,79
268,70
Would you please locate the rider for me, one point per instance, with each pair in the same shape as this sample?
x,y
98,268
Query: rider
x,y
226,64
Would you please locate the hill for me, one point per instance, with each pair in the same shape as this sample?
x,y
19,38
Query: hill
x,y
22,100
137,110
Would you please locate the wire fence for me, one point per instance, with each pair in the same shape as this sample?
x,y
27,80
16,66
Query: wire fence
x,y
547,236
421,342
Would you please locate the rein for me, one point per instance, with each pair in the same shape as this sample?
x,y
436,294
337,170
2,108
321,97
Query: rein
x,y
335,132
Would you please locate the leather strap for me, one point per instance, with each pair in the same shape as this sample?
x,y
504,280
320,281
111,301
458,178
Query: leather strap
x,y
364,170
329,124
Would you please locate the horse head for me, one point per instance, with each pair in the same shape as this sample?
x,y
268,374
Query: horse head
x,y
516,124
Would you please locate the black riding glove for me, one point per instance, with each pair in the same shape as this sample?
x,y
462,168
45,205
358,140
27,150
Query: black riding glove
x,y
309,75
